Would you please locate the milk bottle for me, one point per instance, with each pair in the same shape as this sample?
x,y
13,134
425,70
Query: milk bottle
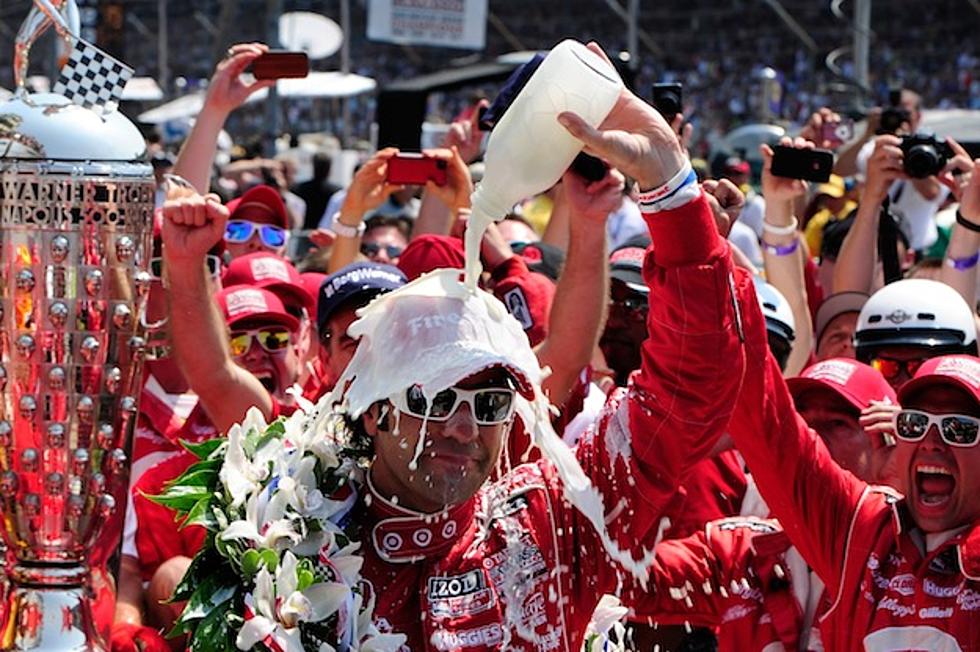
x,y
529,150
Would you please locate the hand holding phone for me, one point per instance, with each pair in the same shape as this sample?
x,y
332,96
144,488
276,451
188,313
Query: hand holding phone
x,y
410,169
835,134
668,99
808,164
281,64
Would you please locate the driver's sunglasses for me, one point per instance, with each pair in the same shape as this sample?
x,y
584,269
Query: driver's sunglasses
x,y
273,339
891,368
371,249
635,307
156,267
955,429
239,231
489,405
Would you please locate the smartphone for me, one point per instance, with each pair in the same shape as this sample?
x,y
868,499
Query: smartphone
x,y
668,99
589,167
410,169
837,133
281,64
808,164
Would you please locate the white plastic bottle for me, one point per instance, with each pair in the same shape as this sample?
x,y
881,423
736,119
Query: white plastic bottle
x,y
529,150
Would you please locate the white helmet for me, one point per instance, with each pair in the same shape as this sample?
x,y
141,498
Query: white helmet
x,y
775,307
916,312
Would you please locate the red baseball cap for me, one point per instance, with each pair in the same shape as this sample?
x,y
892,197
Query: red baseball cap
x,y
854,381
241,302
264,269
527,295
428,252
261,204
312,281
962,371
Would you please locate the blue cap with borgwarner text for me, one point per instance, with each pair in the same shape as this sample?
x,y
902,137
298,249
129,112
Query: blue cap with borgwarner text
x,y
362,281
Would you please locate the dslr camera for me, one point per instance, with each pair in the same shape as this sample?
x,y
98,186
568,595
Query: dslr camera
x,y
924,155
894,116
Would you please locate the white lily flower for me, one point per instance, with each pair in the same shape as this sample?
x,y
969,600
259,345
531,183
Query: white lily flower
x,y
607,616
279,607
276,534
240,475
254,420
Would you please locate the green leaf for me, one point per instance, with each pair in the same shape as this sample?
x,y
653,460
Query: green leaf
x,y
201,515
213,633
203,450
207,476
181,498
205,563
212,594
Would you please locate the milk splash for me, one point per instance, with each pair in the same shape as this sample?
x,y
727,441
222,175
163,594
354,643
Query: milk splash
x,y
436,331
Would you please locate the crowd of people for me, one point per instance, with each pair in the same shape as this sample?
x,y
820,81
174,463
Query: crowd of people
x,y
776,393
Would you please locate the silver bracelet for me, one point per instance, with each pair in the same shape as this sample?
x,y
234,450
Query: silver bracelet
x,y
346,230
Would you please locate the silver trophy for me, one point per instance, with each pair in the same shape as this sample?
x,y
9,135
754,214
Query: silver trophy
x,y
76,210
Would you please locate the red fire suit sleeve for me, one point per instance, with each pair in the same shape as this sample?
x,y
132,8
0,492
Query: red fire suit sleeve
x,y
681,399
808,492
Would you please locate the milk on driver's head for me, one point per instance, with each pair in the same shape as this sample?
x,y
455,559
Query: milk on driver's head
x,y
529,150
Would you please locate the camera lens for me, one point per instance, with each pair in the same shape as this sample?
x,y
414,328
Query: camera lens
x,y
922,161
670,103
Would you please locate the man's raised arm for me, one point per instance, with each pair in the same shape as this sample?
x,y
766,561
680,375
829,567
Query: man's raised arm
x,y
191,226
692,361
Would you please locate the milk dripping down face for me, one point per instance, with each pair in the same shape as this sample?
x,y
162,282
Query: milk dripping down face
x,y
436,333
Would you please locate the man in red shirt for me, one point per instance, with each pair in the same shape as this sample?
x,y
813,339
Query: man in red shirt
x,y
741,574
457,562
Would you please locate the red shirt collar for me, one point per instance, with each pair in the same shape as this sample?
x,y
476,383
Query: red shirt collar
x,y
403,536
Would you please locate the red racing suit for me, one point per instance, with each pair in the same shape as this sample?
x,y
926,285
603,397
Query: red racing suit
x,y
886,591
517,567
738,575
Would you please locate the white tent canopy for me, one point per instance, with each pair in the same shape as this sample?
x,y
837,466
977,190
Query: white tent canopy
x,y
316,85
961,124
142,89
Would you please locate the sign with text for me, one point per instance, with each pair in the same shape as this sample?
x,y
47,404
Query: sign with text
x,y
447,23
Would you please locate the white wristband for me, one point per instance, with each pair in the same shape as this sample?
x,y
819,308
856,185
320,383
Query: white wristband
x,y
346,230
789,229
680,189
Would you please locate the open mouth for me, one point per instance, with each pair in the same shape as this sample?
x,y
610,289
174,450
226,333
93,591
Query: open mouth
x,y
267,380
934,484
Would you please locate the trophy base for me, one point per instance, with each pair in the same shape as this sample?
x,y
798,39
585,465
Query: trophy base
x,y
49,607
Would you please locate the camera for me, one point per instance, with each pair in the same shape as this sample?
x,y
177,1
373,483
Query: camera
x,y
924,155
894,116
668,100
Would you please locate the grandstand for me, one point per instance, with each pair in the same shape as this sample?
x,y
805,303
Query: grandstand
x,y
716,49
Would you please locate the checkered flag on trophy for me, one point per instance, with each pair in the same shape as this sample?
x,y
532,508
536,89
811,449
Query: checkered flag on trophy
x,y
93,78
